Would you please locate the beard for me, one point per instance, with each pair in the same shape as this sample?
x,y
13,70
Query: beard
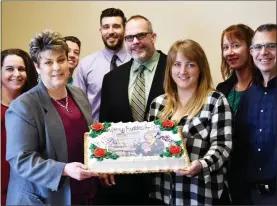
x,y
115,46
140,57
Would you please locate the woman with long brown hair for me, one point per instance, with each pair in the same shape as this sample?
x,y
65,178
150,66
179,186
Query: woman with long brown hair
x,y
237,66
18,76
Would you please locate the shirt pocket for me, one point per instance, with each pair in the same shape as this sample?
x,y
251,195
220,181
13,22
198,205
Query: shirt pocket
x,y
28,198
94,83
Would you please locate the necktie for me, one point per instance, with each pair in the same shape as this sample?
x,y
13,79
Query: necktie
x,y
138,96
113,62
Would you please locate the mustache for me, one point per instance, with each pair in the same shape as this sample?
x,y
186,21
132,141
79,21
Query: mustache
x,y
137,47
112,35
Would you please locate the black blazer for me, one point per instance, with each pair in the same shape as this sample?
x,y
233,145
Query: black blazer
x,y
115,105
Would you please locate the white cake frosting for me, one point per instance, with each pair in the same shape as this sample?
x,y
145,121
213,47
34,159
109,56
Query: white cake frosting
x,y
139,146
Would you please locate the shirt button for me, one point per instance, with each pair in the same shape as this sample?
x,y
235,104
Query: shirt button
x,y
259,149
260,169
261,130
262,110
265,92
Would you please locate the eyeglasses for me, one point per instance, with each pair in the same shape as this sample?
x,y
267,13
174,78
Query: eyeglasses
x,y
259,47
139,36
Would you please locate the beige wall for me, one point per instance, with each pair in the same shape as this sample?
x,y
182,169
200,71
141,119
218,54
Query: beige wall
x,y
200,21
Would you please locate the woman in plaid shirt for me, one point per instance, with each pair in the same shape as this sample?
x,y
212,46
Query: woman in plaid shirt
x,y
206,118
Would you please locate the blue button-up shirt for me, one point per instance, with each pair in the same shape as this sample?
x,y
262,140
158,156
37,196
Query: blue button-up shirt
x,y
255,132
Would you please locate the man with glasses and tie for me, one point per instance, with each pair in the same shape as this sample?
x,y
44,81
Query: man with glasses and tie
x,y
126,96
255,151
91,70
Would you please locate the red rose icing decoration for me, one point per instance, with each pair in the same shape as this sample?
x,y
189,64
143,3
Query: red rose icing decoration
x,y
97,127
99,152
175,150
168,124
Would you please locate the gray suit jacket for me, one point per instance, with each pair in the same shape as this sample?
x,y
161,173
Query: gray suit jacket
x,y
37,148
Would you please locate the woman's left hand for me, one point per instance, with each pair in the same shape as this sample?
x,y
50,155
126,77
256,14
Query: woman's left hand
x,y
194,169
78,171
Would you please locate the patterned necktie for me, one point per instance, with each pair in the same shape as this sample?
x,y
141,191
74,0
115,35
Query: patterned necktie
x,y
113,62
138,96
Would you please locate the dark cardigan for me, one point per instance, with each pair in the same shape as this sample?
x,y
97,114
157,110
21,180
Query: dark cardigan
x,y
226,86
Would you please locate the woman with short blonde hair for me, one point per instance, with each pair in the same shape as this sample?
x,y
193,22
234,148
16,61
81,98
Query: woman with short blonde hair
x,y
45,128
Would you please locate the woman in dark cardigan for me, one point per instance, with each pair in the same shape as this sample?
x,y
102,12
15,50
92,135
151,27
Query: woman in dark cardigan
x,y
236,65
238,71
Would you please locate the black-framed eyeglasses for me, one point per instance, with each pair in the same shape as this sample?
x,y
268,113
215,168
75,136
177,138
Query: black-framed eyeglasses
x,y
139,36
259,47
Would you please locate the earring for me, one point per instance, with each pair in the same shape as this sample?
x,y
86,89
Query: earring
x,y
38,79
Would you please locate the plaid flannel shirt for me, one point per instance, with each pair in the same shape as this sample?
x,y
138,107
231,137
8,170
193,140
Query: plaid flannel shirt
x,y
208,138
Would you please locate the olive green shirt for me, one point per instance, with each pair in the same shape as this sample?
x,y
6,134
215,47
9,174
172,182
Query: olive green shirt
x,y
149,73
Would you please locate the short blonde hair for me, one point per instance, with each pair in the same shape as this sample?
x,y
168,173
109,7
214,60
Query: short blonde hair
x,y
47,40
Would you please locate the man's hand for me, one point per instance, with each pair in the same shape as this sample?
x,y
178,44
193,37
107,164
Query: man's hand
x,y
107,180
78,171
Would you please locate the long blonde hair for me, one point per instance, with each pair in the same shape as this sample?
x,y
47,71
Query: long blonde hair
x,y
192,51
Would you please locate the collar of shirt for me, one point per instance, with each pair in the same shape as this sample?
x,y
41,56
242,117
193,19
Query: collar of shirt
x,y
108,54
149,74
271,84
150,64
70,81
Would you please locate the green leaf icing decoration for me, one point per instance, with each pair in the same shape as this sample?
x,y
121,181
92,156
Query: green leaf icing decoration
x,y
109,155
93,133
173,129
167,153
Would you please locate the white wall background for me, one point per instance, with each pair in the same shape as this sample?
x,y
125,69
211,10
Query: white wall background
x,y
202,21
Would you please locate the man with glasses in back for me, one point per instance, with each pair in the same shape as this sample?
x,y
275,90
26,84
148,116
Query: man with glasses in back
x,y
91,70
255,151
126,96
